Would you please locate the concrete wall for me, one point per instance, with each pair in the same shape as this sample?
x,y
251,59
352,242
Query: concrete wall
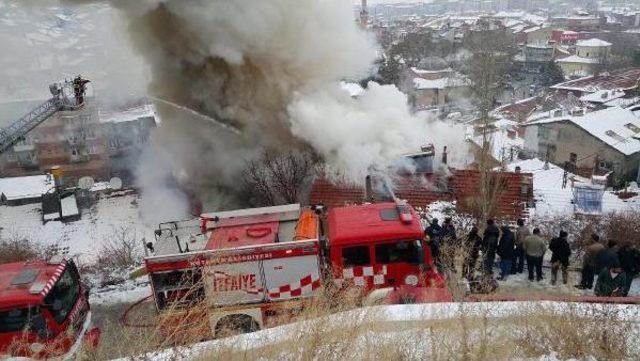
x,y
576,68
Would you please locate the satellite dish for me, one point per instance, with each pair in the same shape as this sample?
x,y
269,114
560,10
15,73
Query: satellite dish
x,y
115,183
85,183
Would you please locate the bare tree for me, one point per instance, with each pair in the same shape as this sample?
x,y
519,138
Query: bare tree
x,y
277,178
488,69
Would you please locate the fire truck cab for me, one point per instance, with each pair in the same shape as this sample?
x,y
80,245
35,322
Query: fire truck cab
x,y
380,245
251,266
44,309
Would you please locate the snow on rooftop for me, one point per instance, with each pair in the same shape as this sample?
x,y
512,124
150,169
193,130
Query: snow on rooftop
x,y
441,83
618,127
16,188
132,114
593,43
602,96
577,59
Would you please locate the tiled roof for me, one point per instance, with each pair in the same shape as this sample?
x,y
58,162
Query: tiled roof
x,y
424,189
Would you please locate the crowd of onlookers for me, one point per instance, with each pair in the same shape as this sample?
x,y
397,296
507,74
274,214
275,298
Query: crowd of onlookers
x,y
615,264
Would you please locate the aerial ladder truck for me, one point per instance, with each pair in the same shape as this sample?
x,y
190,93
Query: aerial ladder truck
x,y
60,100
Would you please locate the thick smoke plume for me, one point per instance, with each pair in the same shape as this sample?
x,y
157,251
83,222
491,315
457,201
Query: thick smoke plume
x,y
271,69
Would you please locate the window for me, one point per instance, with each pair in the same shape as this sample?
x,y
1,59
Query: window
x,y
23,319
573,158
632,127
182,287
399,252
355,256
63,295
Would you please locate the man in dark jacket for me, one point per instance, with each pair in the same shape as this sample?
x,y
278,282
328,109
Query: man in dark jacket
x,y
473,244
506,249
593,248
560,252
490,244
630,263
611,282
518,260
434,235
607,258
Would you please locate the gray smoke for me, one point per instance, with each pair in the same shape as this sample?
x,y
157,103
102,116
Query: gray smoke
x,y
271,69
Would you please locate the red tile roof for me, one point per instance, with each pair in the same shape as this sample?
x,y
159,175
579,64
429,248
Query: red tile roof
x,y
422,190
622,79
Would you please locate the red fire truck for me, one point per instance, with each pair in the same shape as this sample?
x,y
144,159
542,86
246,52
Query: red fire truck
x,y
44,310
252,265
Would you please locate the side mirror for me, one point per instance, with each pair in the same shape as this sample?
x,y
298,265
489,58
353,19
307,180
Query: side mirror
x,y
149,246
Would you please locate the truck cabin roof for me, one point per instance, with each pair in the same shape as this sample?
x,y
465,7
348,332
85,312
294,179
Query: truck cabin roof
x,y
369,223
237,228
27,283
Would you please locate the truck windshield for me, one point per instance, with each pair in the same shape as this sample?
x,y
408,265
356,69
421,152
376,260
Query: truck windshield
x,y
399,252
63,295
21,319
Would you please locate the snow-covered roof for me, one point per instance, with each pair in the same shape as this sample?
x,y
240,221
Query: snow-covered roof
x,y
353,89
132,114
593,43
615,126
577,59
602,96
441,83
425,72
16,188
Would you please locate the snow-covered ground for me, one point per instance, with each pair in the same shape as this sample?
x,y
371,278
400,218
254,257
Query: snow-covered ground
x,y
107,221
552,199
383,314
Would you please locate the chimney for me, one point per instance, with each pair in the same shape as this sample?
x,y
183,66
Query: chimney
x,y
444,155
368,189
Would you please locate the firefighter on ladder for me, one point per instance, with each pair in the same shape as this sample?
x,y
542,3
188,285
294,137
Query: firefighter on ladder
x,y
79,89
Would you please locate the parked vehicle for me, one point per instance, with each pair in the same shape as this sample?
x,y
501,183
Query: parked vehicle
x,y
251,266
44,310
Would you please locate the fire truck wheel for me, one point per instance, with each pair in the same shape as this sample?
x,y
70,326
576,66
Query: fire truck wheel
x,y
235,325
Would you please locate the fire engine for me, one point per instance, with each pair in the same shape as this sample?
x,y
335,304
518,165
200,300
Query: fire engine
x,y
44,310
250,266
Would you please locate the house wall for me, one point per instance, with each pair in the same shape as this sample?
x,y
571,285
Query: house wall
x,y
576,68
560,139
541,36
593,52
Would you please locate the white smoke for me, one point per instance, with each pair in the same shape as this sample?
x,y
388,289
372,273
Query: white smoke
x,y
271,69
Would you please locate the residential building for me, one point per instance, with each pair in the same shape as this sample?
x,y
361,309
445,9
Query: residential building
x,y
70,139
434,84
602,141
126,132
590,54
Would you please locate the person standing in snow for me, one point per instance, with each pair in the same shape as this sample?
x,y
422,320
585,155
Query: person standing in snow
x,y
449,237
589,262
506,249
560,253
534,247
490,244
473,245
518,261
434,235
611,282
630,263
607,258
